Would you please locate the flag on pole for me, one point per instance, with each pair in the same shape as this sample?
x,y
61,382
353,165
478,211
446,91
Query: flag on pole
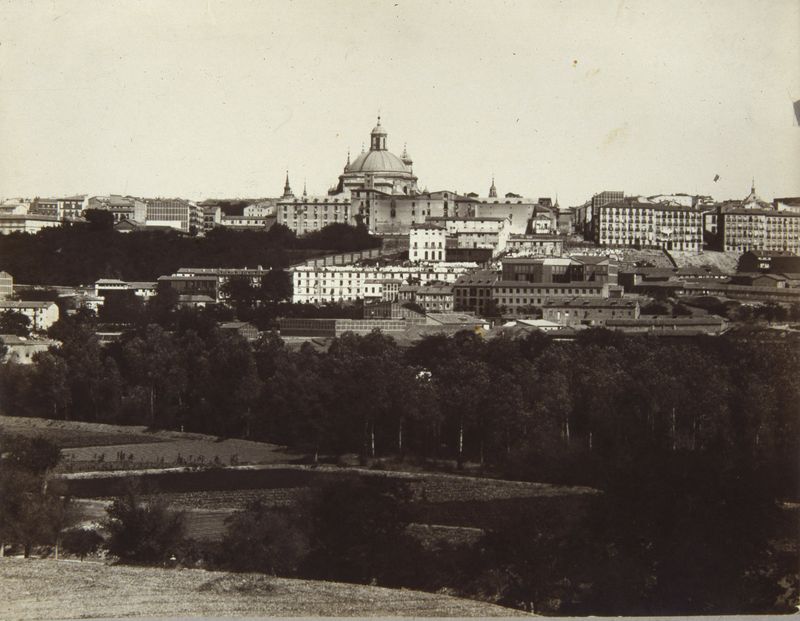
x,y
716,178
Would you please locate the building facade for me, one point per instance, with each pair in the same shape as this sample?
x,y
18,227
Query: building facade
x,y
427,242
589,311
347,283
743,230
645,225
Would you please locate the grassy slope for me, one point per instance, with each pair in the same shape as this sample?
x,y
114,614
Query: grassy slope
x,y
45,589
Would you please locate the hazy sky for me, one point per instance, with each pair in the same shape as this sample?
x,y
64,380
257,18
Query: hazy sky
x,y
200,99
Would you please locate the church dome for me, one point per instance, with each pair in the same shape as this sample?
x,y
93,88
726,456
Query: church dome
x,y
377,162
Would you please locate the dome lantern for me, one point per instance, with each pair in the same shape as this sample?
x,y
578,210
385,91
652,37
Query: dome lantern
x,y
378,137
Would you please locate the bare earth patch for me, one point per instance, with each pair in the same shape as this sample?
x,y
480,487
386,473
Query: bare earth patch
x,y
46,589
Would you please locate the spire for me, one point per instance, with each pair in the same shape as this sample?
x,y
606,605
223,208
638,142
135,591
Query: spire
x,y
753,185
492,190
287,189
304,189
406,157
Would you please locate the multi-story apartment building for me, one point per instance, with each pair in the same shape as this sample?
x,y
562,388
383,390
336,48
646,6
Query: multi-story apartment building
x,y
646,225
535,245
432,298
311,213
473,291
490,232
742,230
347,283
67,208
427,242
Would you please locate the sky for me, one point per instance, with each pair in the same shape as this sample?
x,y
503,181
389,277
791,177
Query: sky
x,y
212,98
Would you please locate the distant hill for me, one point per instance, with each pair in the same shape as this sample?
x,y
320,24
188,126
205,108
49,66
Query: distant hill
x,y
47,589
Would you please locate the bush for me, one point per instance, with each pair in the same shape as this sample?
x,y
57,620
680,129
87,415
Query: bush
x,y
263,540
81,541
143,532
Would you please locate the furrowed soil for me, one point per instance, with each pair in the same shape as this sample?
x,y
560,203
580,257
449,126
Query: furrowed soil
x,y
45,589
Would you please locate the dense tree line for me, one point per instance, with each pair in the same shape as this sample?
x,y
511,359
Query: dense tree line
x,y
82,253
531,406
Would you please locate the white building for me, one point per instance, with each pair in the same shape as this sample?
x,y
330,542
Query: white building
x,y
490,232
26,223
426,242
349,282
42,314
259,210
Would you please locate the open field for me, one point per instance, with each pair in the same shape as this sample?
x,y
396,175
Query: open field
x,y
67,434
96,446
44,589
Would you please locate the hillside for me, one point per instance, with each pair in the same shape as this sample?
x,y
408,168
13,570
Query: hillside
x,y
46,589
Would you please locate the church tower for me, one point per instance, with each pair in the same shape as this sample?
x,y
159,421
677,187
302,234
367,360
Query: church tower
x,y
287,189
492,190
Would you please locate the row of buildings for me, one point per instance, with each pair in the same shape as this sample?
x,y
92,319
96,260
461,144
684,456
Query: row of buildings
x,y
689,223
131,213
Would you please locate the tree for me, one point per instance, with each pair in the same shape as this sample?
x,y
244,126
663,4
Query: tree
x,y
99,219
30,513
14,322
36,455
52,383
143,532
122,307
356,529
276,286
239,291
152,362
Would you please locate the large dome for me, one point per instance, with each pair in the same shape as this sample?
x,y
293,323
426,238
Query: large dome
x,y
378,162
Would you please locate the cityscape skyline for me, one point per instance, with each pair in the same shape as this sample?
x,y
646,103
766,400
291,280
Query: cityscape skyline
x,y
219,100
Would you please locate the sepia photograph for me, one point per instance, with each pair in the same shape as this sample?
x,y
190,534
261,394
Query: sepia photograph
x,y
399,308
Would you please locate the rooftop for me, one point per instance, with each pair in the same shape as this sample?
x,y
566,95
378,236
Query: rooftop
x,y
582,302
